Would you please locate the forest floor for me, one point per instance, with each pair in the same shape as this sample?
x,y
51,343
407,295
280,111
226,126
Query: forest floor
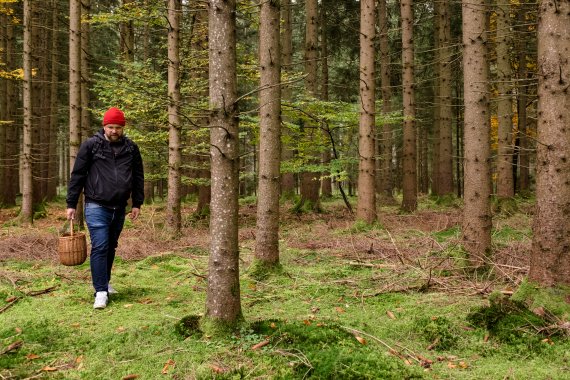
x,y
392,300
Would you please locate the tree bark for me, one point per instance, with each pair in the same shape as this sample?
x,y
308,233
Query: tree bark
x,y
366,209
326,180
445,158
387,180
550,257
267,229
477,186
505,188
26,213
223,295
409,182
310,181
288,184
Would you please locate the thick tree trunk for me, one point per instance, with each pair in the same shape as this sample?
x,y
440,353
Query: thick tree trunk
x,y
127,34
505,188
173,213
223,305
53,105
409,181
366,209
476,211
550,258
267,230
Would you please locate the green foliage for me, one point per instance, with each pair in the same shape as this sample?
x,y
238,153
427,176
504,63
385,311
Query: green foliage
x,y
188,326
554,299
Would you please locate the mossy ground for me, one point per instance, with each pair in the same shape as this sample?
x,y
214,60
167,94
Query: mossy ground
x,y
342,306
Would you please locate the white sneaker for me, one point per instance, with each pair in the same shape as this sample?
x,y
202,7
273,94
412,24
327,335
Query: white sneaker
x,y
100,300
111,290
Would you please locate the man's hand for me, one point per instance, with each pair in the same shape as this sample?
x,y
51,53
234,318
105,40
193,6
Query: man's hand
x,y
70,213
135,212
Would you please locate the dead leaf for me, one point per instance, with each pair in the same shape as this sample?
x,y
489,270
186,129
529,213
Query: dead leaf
x,y
307,322
32,356
128,305
18,330
130,377
486,338
339,309
10,299
361,340
273,325
154,266
217,369
12,347
539,311
451,365
390,314
49,369
145,301
169,363
463,365
433,344
79,359
75,325
548,340
121,329
263,343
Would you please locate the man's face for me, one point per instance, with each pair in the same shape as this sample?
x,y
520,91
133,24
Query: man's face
x,y
113,132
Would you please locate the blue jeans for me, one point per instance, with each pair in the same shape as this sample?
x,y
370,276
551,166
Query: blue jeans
x,y
105,226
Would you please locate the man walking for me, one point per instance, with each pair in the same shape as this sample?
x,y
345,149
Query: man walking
x,y
109,171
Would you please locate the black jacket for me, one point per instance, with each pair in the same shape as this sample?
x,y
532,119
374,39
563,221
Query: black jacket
x,y
107,173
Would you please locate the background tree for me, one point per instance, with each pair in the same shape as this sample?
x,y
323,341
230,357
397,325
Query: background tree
x,y
174,219
367,165
267,230
505,185
550,264
223,305
476,228
26,213
409,185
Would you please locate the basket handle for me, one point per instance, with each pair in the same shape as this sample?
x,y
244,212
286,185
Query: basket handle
x,y
71,226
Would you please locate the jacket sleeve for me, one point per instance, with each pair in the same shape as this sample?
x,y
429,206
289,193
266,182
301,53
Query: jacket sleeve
x,y
138,179
79,174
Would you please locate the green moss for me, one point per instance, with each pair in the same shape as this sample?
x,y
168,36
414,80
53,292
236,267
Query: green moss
x,y
188,326
440,332
260,270
554,299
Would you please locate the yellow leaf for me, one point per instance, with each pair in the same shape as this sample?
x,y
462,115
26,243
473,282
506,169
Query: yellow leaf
x,y
120,329
169,363
79,359
49,369
75,325
451,365
361,340
463,365
32,356
390,314
339,309
273,325
128,305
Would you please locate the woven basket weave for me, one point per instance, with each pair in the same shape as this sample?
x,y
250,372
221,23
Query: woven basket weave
x,y
72,248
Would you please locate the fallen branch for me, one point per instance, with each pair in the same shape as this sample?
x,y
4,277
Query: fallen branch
x,y
12,347
43,291
9,304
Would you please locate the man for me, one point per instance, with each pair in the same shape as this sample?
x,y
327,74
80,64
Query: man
x,y
109,170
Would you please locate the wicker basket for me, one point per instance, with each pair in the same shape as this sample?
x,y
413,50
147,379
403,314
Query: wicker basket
x,y
72,247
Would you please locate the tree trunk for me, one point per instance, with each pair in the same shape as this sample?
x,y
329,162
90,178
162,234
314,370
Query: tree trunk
x,y
326,181
523,184
53,105
86,130
477,187
550,257
310,182
387,180
174,218
267,229
223,306
505,188
409,182
4,118
287,179
366,209
127,35
26,212
445,158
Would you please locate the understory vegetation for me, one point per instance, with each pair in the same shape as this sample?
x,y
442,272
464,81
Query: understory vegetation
x,y
391,301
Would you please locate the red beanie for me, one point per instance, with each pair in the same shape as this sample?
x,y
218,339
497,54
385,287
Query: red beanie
x,y
114,116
